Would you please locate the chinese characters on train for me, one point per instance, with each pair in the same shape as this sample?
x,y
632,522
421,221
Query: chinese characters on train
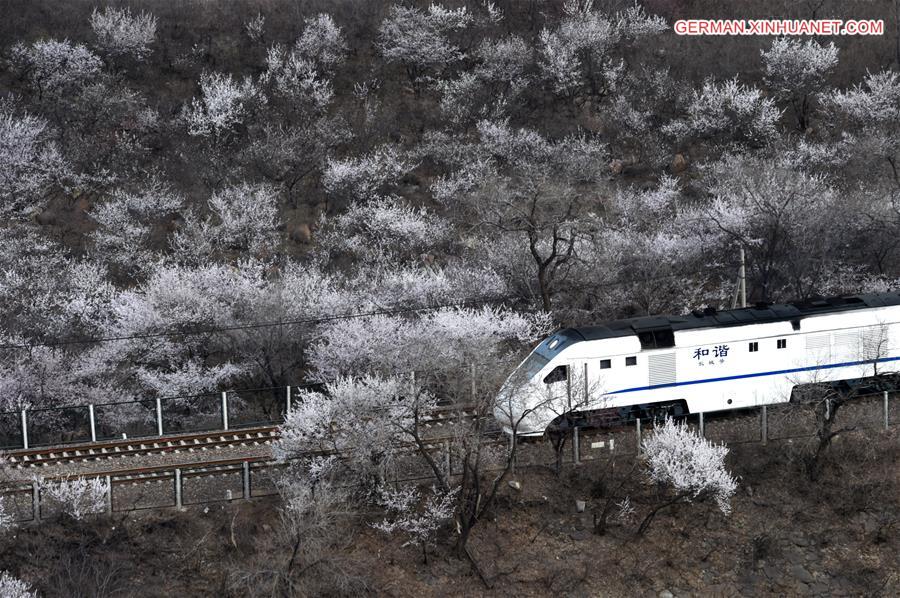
x,y
706,356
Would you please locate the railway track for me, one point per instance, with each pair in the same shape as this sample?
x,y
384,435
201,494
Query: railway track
x,y
434,424
100,451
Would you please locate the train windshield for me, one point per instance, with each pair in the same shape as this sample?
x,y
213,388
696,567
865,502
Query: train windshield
x,y
546,351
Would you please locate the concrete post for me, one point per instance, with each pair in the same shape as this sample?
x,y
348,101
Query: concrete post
x,y
36,500
702,426
764,424
887,423
224,409
637,430
576,446
159,426
109,502
24,429
287,397
93,423
178,489
247,478
448,464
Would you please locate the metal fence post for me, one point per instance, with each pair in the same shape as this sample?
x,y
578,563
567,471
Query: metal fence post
x,y
159,426
93,423
472,372
448,464
224,409
177,488
702,426
576,446
36,500
764,425
24,429
247,479
287,396
887,423
109,494
637,430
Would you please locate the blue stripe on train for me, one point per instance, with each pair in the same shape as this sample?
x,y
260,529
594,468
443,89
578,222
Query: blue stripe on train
x,y
757,375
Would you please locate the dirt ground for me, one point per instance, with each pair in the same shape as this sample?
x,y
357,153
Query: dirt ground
x,y
786,536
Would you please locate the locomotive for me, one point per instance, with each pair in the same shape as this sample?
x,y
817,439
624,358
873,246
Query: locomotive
x,y
703,362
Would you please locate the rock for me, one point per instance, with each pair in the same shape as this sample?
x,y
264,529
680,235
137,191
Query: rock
x,y
666,594
616,166
580,505
515,485
800,540
44,217
301,233
679,164
800,573
580,535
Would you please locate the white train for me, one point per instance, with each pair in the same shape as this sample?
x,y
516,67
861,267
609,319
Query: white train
x,y
704,362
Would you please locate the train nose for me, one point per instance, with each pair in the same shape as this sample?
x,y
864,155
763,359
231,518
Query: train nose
x,y
513,412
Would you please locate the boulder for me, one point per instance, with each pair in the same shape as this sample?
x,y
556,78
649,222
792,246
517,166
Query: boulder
x,y
616,166
300,233
679,164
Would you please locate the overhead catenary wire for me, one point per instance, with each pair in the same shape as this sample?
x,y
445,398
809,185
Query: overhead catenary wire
x,y
201,331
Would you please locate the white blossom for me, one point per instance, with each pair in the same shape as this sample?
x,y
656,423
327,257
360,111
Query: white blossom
x,y
125,222
363,177
10,587
383,227
224,105
419,39
505,59
256,27
730,109
414,517
119,32
794,66
322,41
6,519
296,77
693,466
79,497
52,65
441,339
369,444
30,162
246,216
876,102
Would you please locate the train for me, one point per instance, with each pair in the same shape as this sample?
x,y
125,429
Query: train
x,y
704,362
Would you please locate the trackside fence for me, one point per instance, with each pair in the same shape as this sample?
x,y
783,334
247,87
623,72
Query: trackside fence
x,y
145,419
168,486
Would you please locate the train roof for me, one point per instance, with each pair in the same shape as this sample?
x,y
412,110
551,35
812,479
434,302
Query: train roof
x,y
761,313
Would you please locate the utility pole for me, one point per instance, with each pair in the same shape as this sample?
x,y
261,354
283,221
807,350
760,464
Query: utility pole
x,y
741,290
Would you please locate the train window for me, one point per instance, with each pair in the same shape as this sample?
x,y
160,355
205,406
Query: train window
x,y
782,343
664,338
605,364
631,360
657,339
754,347
559,374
